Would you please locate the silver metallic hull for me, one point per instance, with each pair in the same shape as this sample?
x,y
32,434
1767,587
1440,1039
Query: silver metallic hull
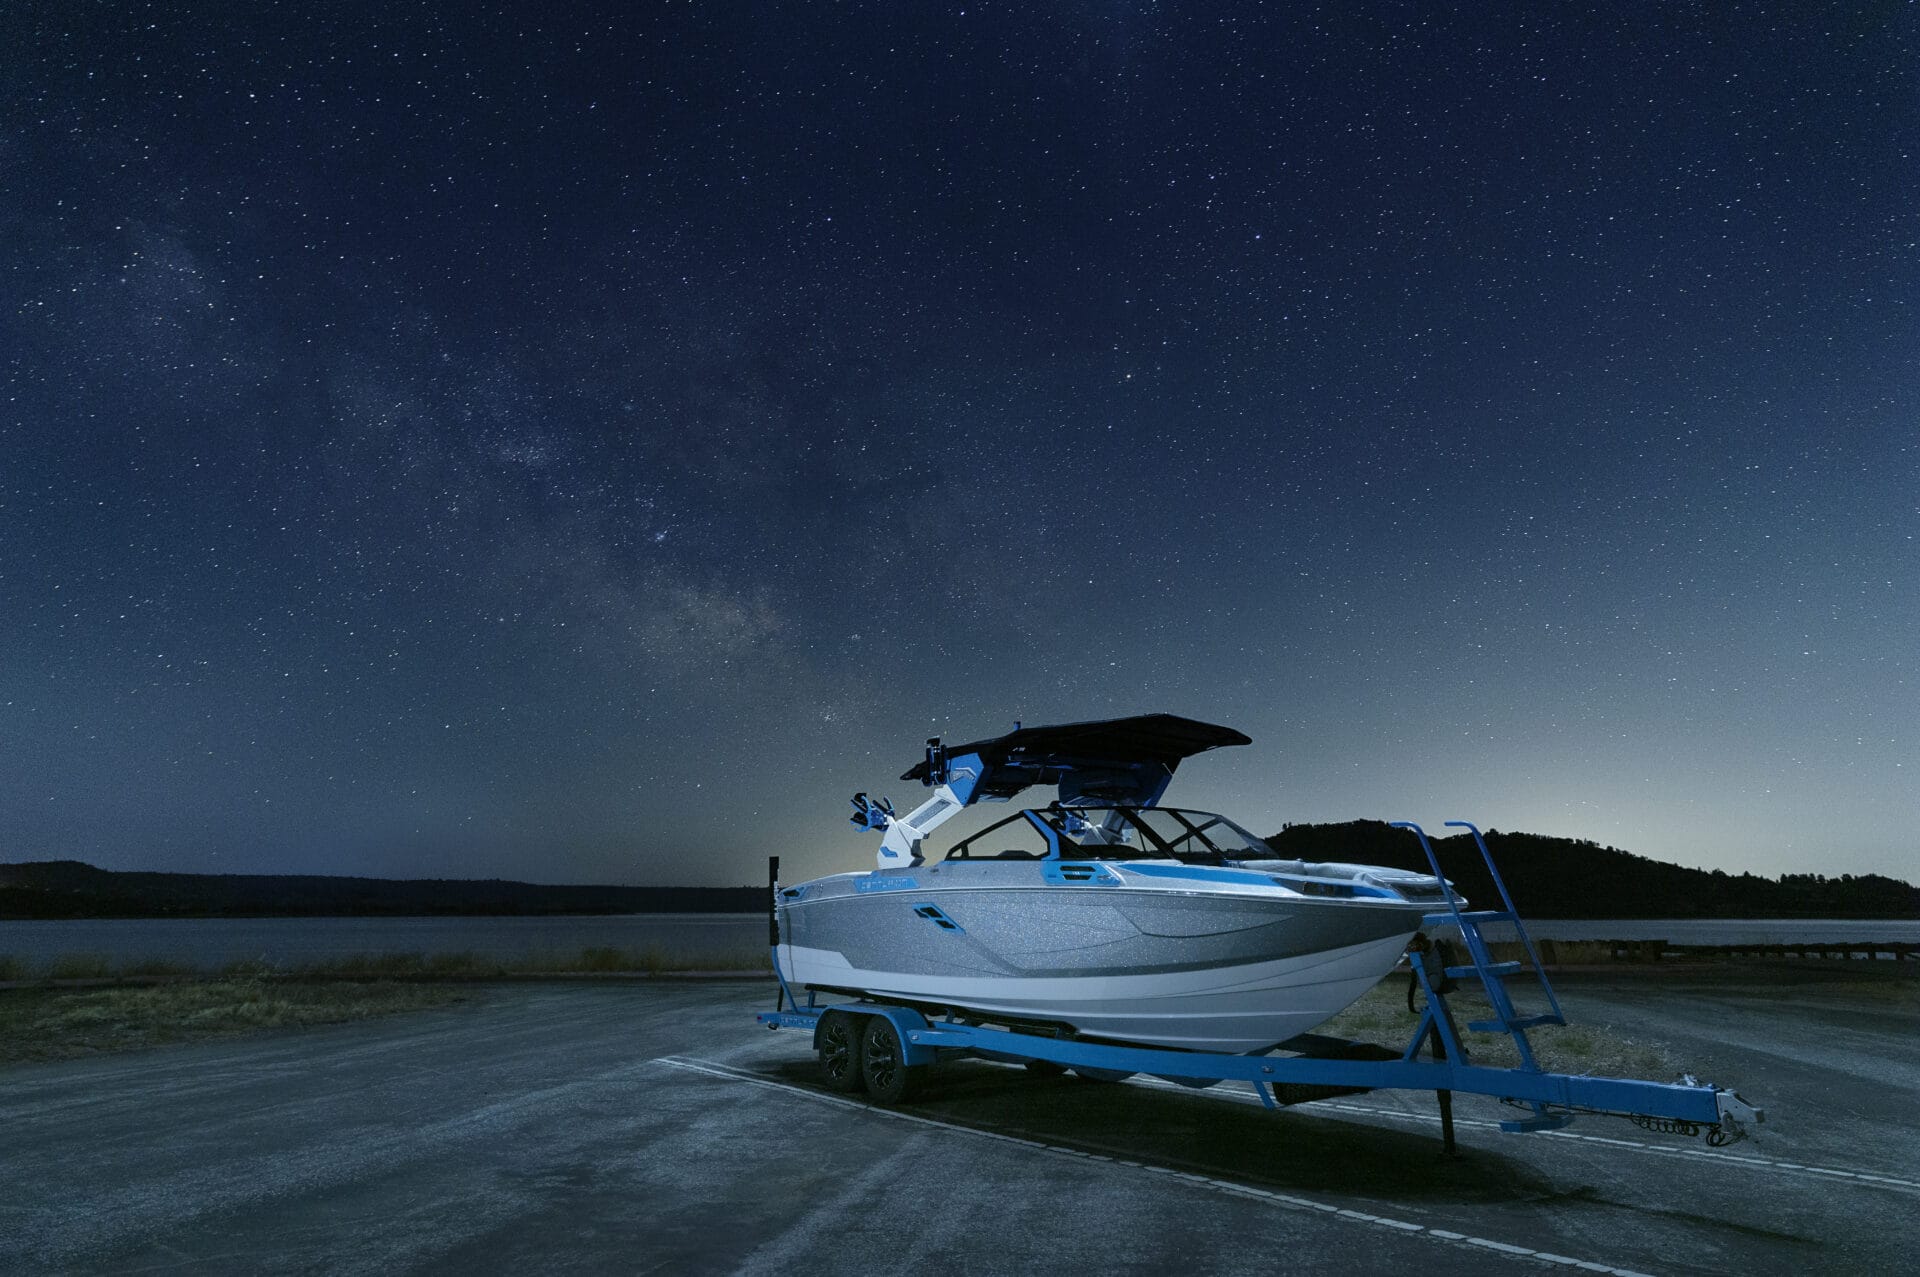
x,y
1203,965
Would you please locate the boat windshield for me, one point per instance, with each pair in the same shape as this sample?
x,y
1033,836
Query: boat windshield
x,y
1153,832
1116,833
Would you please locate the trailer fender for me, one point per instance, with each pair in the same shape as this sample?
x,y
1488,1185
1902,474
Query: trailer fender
x,y
905,1020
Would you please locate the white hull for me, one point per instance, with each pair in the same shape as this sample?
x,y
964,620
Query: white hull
x,y
1245,1007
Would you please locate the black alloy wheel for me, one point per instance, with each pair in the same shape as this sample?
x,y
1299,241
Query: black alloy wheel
x,y
883,1061
839,1043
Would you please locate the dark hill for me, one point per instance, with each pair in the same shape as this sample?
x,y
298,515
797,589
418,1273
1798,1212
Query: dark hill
x,y
70,889
1549,877
1575,878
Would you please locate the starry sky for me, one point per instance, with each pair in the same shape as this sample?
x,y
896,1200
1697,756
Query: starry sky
x,y
588,442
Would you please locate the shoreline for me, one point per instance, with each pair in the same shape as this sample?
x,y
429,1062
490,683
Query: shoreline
x,y
413,977
1781,971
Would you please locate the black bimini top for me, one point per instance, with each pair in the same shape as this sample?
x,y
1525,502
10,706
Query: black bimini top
x,y
1144,738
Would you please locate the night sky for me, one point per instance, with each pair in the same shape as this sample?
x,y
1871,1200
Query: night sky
x,y
587,443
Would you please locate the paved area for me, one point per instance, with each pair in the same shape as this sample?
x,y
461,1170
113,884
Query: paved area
x,y
654,1128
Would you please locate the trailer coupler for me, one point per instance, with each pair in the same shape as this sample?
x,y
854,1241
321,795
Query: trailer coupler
x,y
1734,1116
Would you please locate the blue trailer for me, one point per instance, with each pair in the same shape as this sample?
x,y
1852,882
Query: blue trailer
x,y
885,1048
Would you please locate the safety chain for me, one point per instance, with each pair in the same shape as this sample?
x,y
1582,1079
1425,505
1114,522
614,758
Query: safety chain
x,y
1666,1125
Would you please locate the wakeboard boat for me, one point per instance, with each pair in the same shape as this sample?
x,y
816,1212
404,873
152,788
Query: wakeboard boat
x,y
1102,915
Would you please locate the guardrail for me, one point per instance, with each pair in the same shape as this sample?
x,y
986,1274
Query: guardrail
x,y
1562,953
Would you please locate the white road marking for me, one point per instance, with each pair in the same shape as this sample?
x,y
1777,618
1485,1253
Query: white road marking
x,y
1433,1119
713,1068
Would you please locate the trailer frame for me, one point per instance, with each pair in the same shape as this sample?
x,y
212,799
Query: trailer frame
x,y
1314,1066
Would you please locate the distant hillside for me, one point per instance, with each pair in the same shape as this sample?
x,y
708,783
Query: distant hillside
x,y
1549,878
70,889
1575,878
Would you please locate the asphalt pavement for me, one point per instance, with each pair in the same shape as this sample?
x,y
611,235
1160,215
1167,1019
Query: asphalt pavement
x,y
654,1127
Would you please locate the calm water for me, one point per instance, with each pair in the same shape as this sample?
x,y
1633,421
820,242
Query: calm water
x,y
217,941
210,942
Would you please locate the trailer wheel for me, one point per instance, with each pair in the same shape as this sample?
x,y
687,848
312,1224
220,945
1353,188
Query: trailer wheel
x,y
883,1062
840,1051
1045,1068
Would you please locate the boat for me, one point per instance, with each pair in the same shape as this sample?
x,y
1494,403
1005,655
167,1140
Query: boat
x,y
1103,915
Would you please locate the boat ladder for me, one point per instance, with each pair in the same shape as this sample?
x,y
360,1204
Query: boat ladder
x,y
1493,977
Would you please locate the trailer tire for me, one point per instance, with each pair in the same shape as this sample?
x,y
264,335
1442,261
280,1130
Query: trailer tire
x,y
883,1062
839,1046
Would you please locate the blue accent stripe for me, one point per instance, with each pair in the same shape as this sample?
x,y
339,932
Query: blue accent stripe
x,y
1200,873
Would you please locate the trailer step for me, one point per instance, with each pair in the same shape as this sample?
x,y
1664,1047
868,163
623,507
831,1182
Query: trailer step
x,y
1493,976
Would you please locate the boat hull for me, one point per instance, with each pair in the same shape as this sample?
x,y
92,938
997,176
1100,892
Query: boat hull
x,y
1231,973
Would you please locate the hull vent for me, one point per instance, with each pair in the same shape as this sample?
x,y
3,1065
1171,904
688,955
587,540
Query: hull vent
x,y
933,914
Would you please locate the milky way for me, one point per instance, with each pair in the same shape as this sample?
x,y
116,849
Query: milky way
x,y
590,447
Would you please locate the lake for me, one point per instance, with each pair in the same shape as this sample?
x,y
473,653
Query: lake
x,y
214,942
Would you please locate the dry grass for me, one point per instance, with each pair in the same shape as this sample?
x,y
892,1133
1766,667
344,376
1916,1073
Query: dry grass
x,y
57,1024
80,966
243,997
1381,1016
154,967
593,960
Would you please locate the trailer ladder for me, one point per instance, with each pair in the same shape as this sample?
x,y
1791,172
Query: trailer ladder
x,y
1493,977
